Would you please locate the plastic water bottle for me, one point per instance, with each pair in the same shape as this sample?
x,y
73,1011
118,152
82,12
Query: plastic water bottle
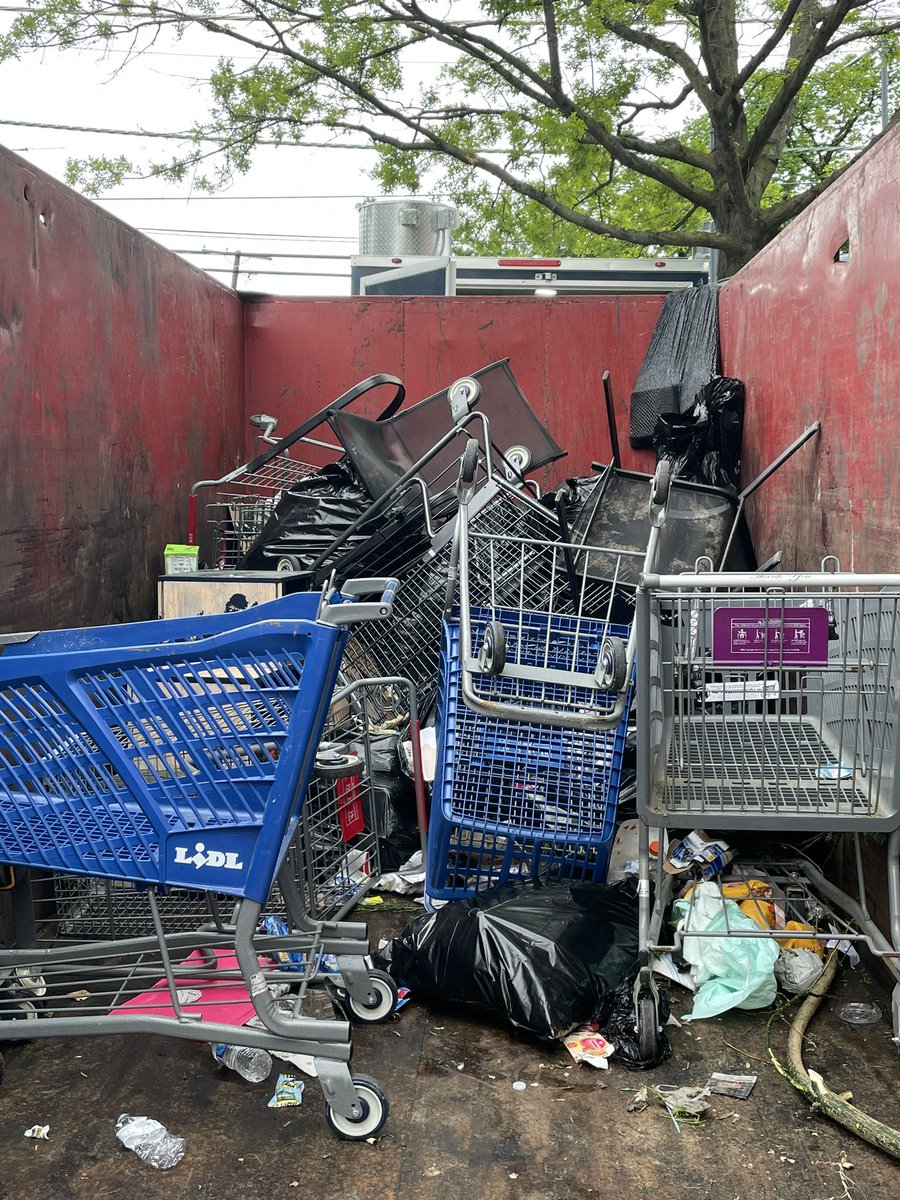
x,y
150,1141
250,1062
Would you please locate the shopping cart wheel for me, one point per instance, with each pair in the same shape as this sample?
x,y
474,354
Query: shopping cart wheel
x,y
662,480
469,462
22,1010
647,1026
612,665
519,460
335,761
382,1008
463,395
374,1105
492,652
287,562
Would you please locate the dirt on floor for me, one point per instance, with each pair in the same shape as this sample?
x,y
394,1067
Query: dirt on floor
x,y
458,1128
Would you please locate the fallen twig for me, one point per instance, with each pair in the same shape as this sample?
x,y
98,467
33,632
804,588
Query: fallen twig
x,y
811,1083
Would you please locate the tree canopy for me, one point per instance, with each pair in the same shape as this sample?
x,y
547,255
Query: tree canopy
x,y
556,126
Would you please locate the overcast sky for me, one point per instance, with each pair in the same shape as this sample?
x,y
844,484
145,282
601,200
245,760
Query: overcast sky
x,y
164,92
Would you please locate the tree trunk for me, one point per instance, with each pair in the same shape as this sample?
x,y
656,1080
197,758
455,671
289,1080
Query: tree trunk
x,y
746,238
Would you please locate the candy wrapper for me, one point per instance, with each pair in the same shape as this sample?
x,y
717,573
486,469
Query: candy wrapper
x,y
288,1092
587,1045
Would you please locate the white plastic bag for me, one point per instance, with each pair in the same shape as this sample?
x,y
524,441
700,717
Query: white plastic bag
x,y
730,972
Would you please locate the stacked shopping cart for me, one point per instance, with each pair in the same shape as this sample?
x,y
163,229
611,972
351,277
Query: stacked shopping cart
x,y
535,695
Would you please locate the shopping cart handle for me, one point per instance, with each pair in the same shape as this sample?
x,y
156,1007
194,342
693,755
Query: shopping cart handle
x,y
350,610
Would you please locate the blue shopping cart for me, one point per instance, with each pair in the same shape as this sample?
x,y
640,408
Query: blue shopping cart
x,y
532,710
514,799
177,755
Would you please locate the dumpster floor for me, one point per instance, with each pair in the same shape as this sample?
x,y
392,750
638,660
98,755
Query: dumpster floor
x,y
457,1127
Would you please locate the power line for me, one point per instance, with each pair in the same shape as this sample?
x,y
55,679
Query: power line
x,y
292,274
276,254
243,233
184,135
193,198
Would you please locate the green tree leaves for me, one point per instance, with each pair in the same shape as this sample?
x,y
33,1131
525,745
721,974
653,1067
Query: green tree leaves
x,y
556,127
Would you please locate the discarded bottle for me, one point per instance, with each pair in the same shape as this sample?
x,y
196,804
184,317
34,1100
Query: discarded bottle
x,y
250,1062
150,1141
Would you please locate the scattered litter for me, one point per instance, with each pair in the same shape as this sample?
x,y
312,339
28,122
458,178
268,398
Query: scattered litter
x,y
698,849
431,1172
844,946
685,1105
738,1087
460,1065
639,1100
371,902
150,1141
428,750
731,972
797,970
587,1045
519,1086
664,964
407,879
859,1013
513,1175
833,771
188,995
40,1133
801,943
404,995
79,995
288,1092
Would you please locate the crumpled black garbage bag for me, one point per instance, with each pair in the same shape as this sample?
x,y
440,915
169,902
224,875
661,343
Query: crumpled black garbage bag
x,y
704,444
536,955
616,1019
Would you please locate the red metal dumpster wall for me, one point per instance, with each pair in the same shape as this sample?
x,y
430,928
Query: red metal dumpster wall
x,y
816,339
301,354
120,385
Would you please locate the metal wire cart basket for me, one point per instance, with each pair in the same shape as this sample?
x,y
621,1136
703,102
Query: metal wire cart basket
x,y
771,702
184,764
532,712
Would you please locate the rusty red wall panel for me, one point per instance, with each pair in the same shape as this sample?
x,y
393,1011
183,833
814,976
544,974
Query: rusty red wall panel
x,y
301,354
816,339
121,382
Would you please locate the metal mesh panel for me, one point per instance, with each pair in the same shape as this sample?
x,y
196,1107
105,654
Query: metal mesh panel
x,y
243,504
410,644
513,799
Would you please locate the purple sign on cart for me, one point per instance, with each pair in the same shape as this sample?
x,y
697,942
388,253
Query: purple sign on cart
x,y
772,637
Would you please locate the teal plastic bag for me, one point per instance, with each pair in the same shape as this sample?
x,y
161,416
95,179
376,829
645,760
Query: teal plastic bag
x,y
730,972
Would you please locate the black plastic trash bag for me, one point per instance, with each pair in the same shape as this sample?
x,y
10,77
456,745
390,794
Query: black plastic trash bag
x,y
704,444
316,511
683,355
617,1022
537,956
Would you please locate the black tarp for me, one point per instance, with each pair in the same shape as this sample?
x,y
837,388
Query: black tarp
x,y
683,355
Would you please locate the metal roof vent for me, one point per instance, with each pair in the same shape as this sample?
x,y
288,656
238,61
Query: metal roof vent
x,y
398,227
